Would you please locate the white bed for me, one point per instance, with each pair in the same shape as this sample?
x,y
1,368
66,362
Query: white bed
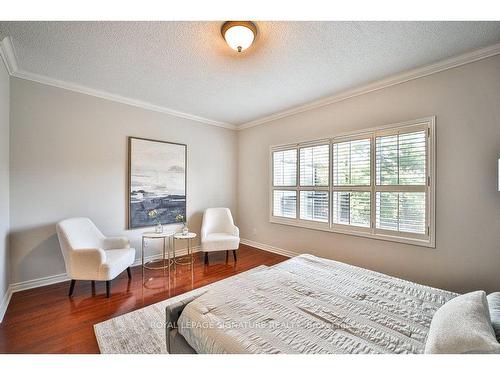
x,y
312,305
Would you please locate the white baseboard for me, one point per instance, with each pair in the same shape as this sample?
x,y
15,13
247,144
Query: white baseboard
x,y
271,249
35,283
5,302
54,279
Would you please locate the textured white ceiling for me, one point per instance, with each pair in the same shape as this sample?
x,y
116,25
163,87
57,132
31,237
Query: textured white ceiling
x,y
187,67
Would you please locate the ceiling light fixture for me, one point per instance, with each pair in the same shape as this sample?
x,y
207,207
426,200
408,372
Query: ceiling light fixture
x,y
239,35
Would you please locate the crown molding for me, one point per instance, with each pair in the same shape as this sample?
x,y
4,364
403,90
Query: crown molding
x,y
117,98
10,61
8,56
409,75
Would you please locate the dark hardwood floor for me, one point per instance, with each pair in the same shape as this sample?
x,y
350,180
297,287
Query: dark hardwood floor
x,y
46,320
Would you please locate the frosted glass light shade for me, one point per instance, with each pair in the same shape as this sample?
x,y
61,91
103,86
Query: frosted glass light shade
x,y
239,35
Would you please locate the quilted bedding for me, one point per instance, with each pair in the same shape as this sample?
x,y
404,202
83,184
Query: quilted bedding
x,y
312,305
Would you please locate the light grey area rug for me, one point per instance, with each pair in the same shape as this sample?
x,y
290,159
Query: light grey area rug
x,y
143,331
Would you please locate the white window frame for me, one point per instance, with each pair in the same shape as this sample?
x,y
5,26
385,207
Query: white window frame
x,y
426,240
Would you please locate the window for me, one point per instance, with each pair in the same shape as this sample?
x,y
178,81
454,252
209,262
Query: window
x,y
351,163
376,183
285,168
305,195
314,176
351,182
351,208
314,205
314,165
401,181
285,203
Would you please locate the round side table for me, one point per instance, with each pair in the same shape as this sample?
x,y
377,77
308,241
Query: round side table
x,y
166,249
186,259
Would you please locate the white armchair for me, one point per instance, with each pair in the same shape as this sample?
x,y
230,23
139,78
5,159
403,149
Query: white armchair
x,y
218,232
89,255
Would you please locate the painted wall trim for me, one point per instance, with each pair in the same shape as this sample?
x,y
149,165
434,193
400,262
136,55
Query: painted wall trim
x,y
397,79
35,283
5,50
5,303
9,57
54,279
271,249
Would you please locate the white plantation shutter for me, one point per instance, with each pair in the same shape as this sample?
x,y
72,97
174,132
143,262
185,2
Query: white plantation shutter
x,y
314,165
401,176
285,168
387,210
401,159
351,163
351,204
314,205
284,199
314,176
377,183
403,212
351,208
285,203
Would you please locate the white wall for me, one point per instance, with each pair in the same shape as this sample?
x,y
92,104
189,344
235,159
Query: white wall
x,y
466,101
4,181
69,158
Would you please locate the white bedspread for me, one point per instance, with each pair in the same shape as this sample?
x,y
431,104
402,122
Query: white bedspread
x,y
312,305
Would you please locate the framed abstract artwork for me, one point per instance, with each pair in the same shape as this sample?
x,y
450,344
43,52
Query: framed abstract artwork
x,y
156,182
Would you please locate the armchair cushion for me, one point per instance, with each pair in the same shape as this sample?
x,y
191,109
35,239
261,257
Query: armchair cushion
x,y
116,261
220,242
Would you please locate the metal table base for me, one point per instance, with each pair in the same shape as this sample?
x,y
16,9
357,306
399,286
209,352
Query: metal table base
x,y
167,262
185,259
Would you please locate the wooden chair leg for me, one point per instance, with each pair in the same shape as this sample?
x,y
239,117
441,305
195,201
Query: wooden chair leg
x,y
206,258
129,273
108,287
92,286
227,255
234,255
71,287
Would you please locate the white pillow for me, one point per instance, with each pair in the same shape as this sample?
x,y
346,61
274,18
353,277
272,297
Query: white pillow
x,y
494,307
462,325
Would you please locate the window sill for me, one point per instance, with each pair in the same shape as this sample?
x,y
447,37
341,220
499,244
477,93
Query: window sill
x,y
362,232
